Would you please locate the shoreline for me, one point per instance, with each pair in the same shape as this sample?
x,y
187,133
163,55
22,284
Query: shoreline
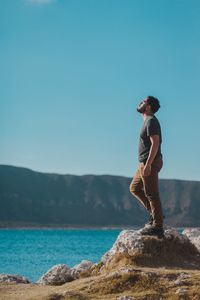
x,y
125,227
69,227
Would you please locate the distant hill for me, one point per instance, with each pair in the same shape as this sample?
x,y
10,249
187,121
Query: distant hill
x,y
29,198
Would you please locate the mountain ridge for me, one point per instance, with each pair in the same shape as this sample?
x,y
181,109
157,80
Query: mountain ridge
x,y
32,197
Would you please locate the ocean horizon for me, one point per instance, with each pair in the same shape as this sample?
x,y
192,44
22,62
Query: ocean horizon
x,y
31,252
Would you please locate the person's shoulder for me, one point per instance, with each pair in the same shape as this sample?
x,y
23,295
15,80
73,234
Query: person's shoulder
x,y
152,120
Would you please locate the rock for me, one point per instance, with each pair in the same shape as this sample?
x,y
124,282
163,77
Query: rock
x,y
55,296
174,250
181,292
125,298
194,235
179,282
191,232
83,266
172,233
128,242
57,275
184,275
71,294
7,278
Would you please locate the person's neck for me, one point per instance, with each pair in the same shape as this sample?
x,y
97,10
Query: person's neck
x,y
145,115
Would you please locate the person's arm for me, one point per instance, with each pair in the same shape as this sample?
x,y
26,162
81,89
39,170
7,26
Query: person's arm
x,y
155,140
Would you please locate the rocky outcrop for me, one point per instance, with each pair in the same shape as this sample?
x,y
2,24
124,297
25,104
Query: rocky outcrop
x,y
191,232
8,278
61,273
132,247
79,268
129,250
57,275
194,235
130,268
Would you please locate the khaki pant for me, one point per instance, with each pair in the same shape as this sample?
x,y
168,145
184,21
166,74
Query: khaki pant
x,y
146,190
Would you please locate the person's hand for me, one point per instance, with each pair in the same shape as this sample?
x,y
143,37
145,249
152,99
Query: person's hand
x,y
147,170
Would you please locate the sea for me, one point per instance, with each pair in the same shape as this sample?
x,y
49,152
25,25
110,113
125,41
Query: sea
x,y
32,252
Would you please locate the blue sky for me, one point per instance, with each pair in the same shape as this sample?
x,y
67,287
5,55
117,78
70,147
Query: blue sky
x,y
73,71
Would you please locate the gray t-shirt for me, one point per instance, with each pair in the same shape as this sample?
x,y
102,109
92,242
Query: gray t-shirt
x,y
150,126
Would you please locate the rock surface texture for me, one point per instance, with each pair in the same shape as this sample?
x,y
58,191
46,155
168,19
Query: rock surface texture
x,y
174,250
57,275
8,278
194,235
61,273
79,268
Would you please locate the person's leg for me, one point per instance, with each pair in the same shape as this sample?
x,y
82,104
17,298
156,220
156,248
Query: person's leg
x,y
151,189
137,189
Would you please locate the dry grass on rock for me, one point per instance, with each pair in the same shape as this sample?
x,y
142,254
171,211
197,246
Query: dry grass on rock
x,y
140,283
159,253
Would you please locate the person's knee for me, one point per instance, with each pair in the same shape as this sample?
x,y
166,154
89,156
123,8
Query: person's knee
x,y
133,190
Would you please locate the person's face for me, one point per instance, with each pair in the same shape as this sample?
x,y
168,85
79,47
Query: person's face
x,y
142,106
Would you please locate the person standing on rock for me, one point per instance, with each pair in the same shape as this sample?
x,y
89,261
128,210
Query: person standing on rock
x,y
145,184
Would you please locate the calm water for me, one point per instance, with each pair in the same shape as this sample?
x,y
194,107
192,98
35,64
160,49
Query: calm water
x,y
32,252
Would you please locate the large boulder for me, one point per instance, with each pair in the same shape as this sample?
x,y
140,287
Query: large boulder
x,y
194,235
133,248
57,275
8,278
79,268
191,232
